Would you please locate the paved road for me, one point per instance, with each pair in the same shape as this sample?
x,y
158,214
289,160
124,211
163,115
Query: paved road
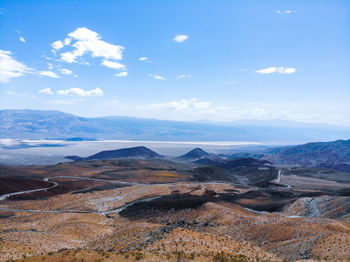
x,y
278,180
45,211
313,204
5,196
254,211
315,211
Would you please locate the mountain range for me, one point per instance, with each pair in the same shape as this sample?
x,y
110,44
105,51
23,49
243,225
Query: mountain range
x,y
42,124
332,155
312,154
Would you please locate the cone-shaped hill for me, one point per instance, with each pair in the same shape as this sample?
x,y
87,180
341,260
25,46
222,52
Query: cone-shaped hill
x,y
194,154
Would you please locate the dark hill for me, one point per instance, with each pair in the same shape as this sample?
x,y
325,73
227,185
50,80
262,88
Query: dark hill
x,y
244,170
194,154
132,152
212,173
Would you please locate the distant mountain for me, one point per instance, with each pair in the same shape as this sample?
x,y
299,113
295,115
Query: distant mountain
x,y
133,152
256,155
40,124
194,154
313,154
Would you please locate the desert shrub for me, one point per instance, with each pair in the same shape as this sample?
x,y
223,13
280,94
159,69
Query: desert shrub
x,y
220,257
139,256
223,257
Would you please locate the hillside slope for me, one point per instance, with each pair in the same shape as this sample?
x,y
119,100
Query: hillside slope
x,y
313,154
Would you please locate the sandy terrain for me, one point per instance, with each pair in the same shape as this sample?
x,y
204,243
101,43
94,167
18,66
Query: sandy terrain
x,y
154,213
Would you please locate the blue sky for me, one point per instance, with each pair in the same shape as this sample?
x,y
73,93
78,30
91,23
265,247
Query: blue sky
x,y
180,60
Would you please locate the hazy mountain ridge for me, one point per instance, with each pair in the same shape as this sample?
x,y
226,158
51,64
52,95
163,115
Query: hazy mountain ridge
x,y
313,154
41,124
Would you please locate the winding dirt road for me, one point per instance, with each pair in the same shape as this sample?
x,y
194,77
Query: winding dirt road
x,y
278,180
117,210
313,204
5,196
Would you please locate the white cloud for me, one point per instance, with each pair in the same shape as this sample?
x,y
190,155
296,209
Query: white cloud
x,y
57,45
10,68
268,70
157,77
67,41
183,76
49,74
279,70
47,91
180,38
144,58
289,70
122,74
114,65
85,41
287,12
184,105
81,92
65,71
194,109
46,57
21,38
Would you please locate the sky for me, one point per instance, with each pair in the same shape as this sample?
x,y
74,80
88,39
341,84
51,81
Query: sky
x,y
186,60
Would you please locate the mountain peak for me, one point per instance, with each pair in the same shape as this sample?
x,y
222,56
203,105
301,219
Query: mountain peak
x,y
195,153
